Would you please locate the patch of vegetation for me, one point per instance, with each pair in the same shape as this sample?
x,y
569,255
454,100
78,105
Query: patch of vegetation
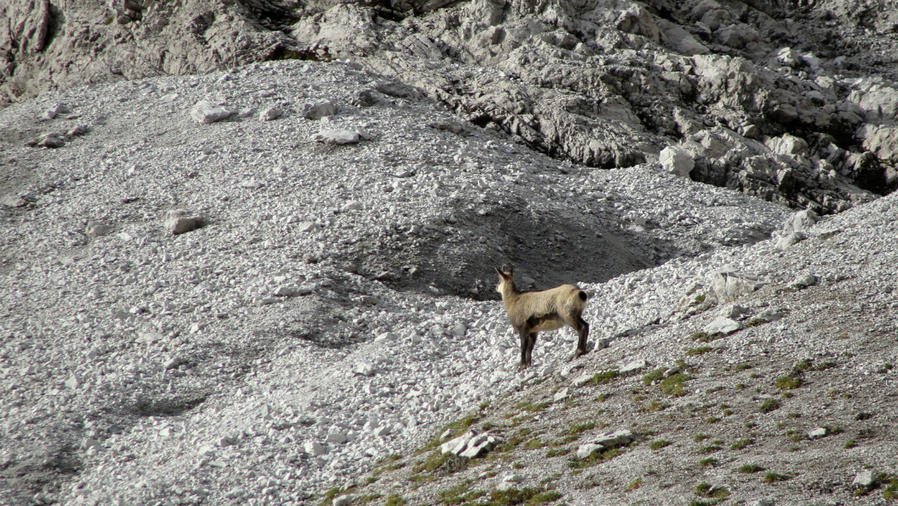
x,y
556,452
658,444
750,468
673,385
755,322
788,382
533,444
699,351
708,462
329,496
769,405
701,437
707,490
603,397
851,443
634,484
653,376
741,443
420,478
394,500
460,493
596,457
522,496
710,449
533,407
825,365
455,428
712,419
432,463
579,428
742,367
772,477
603,377
801,366
517,438
703,337
890,488
655,405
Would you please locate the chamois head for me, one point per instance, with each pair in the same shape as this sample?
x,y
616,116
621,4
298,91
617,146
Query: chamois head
x,y
506,279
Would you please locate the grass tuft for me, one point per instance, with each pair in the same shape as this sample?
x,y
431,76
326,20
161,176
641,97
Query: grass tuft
x,y
769,405
772,477
658,444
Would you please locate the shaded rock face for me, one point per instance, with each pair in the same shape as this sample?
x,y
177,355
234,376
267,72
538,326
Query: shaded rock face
x,y
604,83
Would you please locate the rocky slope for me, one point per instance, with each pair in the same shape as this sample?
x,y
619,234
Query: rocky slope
x,y
274,284
187,318
790,101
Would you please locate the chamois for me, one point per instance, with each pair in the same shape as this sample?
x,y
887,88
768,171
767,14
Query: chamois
x,y
532,312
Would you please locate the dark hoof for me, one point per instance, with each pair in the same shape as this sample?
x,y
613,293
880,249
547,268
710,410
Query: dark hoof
x,y
578,354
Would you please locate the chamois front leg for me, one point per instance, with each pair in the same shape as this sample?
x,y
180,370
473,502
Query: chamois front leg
x,y
531,340
525,341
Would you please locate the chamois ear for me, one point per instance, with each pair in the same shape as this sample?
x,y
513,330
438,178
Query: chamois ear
x,y
505,271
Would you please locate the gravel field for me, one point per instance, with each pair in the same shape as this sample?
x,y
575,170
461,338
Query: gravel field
x,y
250,287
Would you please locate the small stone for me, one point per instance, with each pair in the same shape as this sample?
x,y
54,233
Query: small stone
x,y
817,433
11,200
270,113
50,140
728,285
337,437
337,136
734,311
345,500
864,480
800,221
72,382
561,395
458,330
305,226
722,325
457,445
314,448
586,449
78,130
803,281
206,112
633,367
676,161
175,362
583,379
319,110
791,239
179,221
97,229
615,439
478,446
56,110
364,369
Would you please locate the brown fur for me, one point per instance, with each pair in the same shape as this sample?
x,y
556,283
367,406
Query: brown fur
x,y
532,312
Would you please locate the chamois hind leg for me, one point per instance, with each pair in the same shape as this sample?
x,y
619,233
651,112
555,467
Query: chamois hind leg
x,y
582,328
